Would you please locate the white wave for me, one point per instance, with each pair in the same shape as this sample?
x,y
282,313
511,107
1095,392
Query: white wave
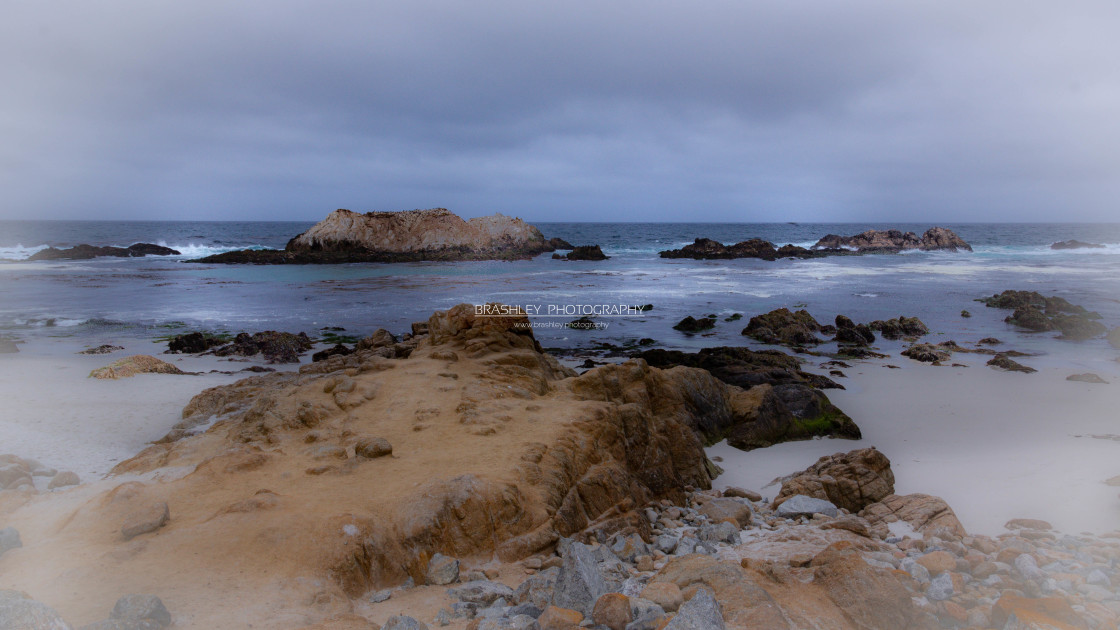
x,y
197,250
1045,250
48,322
866,295
19,252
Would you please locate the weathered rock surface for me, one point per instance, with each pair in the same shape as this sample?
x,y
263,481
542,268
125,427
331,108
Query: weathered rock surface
x,y
851,480
900,327
1087,377
782,326
20,612
102,349
275,347
692,324
1036,312
922,511
412,235
1002,362
194,343
926,353
586,252
85,252
799,505
875,241
133,365
782,403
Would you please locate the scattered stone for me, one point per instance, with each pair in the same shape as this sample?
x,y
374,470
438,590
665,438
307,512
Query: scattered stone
x,y
579,584
372,448
1000,361
702,612
800,505
141,608
442,570
941,587
401,622
63,479
556,618
667,595
926,353
383,595
726,509
850,480
9,539
749,495
782,326
966,314
1087,377
194,343
900,327
102,349
145,521
481,592
1027,523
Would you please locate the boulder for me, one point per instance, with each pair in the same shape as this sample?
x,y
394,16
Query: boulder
x,y
63,479
442,570
556,618
9,539
1041,612
922,511
403,622
799,505
782,326
146,520
141,608
408,236
481,592
193,343
869,597
612,610
667,595
720,510
558,243
900,327
19,612
926,353
850,480
702,612
579,584
133,365
275,347
1077,327
706,249
337,350
372,448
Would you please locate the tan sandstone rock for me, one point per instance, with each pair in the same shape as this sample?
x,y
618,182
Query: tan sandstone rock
x,y
133,365
850,480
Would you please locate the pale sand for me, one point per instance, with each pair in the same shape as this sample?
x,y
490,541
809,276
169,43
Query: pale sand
x,y
51,410
995,445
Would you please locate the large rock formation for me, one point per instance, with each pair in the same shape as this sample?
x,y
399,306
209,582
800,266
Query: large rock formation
x,y
706,248
875,241
850,480
277,499
1036,312
411,235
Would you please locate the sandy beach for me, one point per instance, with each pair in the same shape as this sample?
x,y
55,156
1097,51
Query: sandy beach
x,y
995,445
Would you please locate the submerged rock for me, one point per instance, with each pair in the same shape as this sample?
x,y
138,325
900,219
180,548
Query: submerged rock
x,y
586,252
1002,362
692,324
900,327
1087,377
782,326
1075,244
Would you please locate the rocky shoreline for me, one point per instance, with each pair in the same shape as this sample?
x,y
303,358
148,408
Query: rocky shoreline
x,y
869,242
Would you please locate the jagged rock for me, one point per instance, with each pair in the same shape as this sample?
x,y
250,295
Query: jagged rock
x,y
691,324
850,480
20,612
667,595
9,539
922,511
723,532
1075,244
147,520
337,350
558,243
926,353
702,612
579,584
85,252
848,332
875,241
1031,318
557,618
442,570
1078,327
141,608
537,589
1042,612
1002,362
193,343
900,327
481,592
276,347
706,249
412,235
586,252
800,505
781,326
133,365
628,548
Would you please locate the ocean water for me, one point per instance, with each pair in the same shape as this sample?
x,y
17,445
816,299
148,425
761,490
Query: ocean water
x,y
102,299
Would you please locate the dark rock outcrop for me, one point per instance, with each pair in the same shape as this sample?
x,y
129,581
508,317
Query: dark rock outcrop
x,y
1040,313
1075,244
85,252
586,252
558,243
900,327
782,326
785,403
276,347
890,241
926,353
194,343
1002,362
706,248
850,333
409,236
692,324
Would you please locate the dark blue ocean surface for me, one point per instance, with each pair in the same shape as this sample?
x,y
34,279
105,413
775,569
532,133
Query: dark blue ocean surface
x,y
102,298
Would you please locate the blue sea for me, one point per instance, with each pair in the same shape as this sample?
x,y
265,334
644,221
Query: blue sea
x,y
109,298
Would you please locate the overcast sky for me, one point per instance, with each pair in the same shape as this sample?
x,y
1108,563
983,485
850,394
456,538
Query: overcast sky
x,y
791,110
